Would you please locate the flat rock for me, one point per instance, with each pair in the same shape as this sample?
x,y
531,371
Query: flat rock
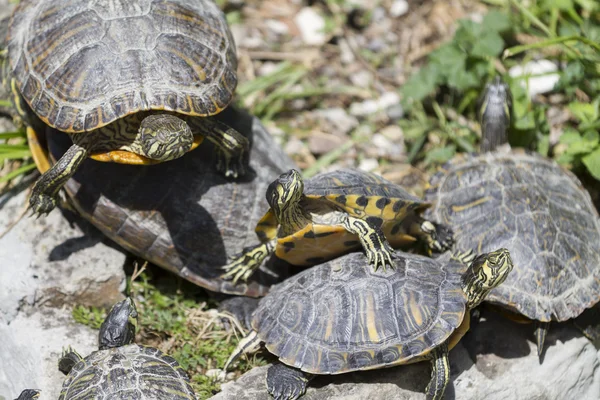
x,y
31,346
495,361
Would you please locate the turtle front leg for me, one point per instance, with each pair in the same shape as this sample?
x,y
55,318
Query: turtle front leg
x,y
29,394
245,264
285,382
44,195
378,250
68,360
232,146
440,374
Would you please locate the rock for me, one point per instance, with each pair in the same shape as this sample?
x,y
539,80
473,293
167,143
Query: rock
x,y
368,164
398,8
338,120
367,107
362,78
51,261
32,344
495,361
537,84
311,25
321,143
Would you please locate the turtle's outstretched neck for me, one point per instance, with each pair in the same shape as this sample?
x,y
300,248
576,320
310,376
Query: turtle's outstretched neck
x,y
494,115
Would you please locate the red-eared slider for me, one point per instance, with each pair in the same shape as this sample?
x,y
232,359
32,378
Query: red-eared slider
x,y
29,394
129,81
342,316
335,212
121,370
182,215
534,208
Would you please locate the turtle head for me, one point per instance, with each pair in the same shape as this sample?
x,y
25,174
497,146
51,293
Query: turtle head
x,y
29,394
165,137
284,194
486,272
118,329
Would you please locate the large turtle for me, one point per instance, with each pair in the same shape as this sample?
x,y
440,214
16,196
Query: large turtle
x,y
313,221
121,370
531,206
182,215
131,82
342,316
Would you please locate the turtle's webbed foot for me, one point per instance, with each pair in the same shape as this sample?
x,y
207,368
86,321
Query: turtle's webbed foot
x,y
68,360
244,265
439,237
381,257
285,383
229,165
41,203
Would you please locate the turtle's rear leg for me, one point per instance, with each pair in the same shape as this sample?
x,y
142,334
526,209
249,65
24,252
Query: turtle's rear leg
x,y
232,146
68,360
244,265
45,190
436,237
440,373
285,382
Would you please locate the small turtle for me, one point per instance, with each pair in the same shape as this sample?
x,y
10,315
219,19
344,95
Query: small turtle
x,y
182,215
29,394
120,370
133,83
342,316
534,208
335,212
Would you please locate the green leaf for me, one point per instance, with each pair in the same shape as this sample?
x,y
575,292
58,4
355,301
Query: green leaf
x,y
421,84
585,145
490,44
544,145
584,112
448,54
557,4
496,21
440,155
592,162
569,136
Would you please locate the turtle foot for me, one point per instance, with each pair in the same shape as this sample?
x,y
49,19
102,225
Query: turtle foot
x,y
68,360
244,265
230,167
41,203
439,237
382,257
285,383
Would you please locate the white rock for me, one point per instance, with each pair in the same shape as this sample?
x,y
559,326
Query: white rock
x,y
368,164
311,25
277,26
368,107
536,84
398,8
339,119
215,373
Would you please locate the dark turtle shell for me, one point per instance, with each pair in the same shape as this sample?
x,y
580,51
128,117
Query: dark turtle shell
x,y
82,64
341,316
183,215
127,372
537,210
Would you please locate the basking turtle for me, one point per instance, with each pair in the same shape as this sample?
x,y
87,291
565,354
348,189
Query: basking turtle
x,y
29,394
120,369
342,316
182,215
534,208
335,212
133,83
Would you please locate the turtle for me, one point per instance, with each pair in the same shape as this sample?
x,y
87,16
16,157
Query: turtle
x,y
335,212
341,316
121,369
531,206
133,83
29,394
182,215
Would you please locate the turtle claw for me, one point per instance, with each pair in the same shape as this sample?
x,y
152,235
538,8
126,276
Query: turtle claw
x,y
229,167
247,262
381,257
41,204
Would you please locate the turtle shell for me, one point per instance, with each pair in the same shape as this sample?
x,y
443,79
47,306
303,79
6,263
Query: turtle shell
x,y
537,210
127,372
183,215
83,64
341,316
361,194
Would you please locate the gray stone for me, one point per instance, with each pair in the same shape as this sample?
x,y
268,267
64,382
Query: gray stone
x,y
495,361
31,346
52,261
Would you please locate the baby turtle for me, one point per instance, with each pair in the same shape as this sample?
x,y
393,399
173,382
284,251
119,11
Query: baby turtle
x,y
121,370
342,316
333,213
133,83
182,215
531,206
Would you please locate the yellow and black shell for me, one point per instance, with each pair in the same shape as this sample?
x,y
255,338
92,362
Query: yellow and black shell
x,y
127,372
361,194
82,64
341,316
537,210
